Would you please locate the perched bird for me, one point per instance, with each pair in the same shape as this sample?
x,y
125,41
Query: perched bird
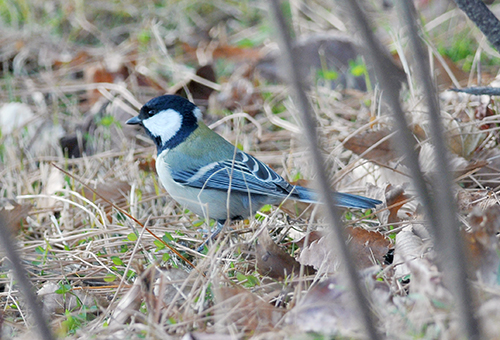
x,y
210,176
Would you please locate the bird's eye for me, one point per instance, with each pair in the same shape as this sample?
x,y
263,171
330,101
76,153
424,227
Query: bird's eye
x,y
151,113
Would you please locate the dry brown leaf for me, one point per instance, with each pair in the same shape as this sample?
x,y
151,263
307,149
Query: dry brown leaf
x,y
13,213
482,244
117,193
488,175
273,261
327,309
367,247
199,92
443,79
238,307
395,198
147,164
470,199
80,59
484,110
320,255
313,236
102,74
225,51
382,153
462,139
240,95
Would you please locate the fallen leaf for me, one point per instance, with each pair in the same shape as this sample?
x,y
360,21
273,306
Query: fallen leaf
x,y
239,94
199,92
117,193
470,199
147,164
274,262
367,247
237,307
320,256
225,51
13,213
484,110
395,198
382,153
408,247
482,244
469,169
443,79
313,236
489,174
327,308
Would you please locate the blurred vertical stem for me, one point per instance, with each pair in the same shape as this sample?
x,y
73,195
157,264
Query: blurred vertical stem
x,y
23,282
289,60
448,242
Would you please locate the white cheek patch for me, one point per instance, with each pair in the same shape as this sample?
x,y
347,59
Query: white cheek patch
x,y
165,124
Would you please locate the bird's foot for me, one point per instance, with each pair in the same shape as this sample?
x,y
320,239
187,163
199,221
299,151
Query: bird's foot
x,y
210,238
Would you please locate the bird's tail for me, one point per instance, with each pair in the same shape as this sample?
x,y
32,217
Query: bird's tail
x,y
341,199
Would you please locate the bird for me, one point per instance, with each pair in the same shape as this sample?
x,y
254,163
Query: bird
x,y
211,177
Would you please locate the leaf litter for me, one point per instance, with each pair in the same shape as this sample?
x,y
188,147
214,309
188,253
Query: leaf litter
x,y
100,275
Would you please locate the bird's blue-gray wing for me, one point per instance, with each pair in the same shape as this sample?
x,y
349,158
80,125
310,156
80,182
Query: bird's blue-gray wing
x,y
244,174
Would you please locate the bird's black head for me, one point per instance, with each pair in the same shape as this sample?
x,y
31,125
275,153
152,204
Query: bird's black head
x,y
168,120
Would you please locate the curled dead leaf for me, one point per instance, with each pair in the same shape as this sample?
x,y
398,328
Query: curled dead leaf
x,y
274,262
395,198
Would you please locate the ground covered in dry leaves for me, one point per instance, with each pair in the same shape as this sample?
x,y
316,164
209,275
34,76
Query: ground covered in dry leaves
x,y
73,174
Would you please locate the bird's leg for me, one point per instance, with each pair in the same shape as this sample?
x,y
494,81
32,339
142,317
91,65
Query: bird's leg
x,y
218,229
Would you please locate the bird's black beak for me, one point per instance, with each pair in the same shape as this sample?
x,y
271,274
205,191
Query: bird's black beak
x,y
134,121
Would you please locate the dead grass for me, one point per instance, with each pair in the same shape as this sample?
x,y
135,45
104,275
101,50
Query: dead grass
x,y
80,69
